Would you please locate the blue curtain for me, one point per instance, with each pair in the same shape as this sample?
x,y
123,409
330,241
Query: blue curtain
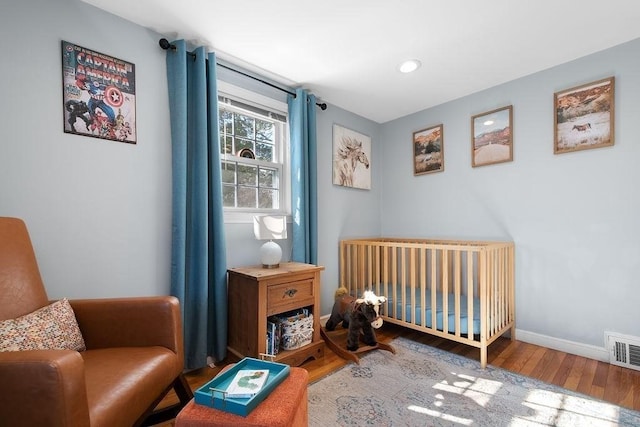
x,y
198,257
304,184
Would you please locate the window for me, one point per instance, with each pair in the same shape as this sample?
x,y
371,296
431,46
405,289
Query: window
x,y
254,154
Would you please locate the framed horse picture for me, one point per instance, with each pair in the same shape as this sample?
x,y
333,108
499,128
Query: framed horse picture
x,y
351,154
428,150
584,117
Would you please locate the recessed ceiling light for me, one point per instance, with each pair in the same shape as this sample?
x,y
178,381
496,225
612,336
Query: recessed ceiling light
x,y
409,66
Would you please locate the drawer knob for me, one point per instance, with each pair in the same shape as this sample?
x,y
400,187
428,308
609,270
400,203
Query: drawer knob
x,y
290,292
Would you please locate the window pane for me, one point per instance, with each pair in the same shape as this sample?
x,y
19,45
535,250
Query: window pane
x,y
229,196
247,197
243,143
243,125
247,175
226,122
226,144
228,173
267,199
267,178
265,152
264,130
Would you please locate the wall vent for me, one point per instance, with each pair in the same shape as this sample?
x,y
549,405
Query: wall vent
x,y
624,350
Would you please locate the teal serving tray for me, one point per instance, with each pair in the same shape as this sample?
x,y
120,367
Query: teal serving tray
x,y
212,393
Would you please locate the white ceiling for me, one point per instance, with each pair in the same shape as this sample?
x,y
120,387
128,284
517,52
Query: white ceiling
x,y
347,51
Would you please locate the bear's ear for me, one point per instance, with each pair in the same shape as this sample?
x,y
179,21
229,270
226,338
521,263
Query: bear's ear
x,y
360,301
382,300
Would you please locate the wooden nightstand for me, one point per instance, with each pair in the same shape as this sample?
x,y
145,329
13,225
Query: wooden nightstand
x,y
256,293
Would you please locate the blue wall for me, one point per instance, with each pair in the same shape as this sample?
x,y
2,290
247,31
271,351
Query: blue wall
x,y
99,212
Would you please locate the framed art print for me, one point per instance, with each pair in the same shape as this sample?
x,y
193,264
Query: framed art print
x,y
584,117
99,94
492,137
351,154
428,150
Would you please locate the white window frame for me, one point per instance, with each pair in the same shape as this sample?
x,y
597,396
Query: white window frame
x,y
245,215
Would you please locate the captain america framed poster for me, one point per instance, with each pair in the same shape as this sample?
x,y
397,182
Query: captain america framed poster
x,y
99,94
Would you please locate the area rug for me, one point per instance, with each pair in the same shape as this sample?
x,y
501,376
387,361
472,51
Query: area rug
x,y
424,386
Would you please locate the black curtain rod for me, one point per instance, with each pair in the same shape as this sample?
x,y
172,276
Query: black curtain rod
x,y
164,44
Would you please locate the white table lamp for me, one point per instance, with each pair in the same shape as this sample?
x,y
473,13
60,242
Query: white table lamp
x,y
270,227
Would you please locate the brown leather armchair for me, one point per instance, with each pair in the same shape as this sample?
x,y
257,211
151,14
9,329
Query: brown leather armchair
x,y
134,353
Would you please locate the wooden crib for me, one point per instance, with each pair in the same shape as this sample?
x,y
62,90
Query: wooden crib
x,y
470,284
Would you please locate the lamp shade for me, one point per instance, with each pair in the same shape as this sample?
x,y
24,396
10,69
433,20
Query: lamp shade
x,y
270,227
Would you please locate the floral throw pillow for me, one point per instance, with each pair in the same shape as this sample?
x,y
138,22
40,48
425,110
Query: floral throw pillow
x,y
53,327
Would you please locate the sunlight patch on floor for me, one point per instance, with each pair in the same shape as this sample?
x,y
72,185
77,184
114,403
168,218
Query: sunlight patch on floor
x,y
557,409
479,390
547,408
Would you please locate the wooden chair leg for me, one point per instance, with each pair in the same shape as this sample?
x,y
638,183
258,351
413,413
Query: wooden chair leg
x,y
182,389
156,416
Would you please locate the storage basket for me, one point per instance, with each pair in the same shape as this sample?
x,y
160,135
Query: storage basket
x,y
292,327
296,329
297,340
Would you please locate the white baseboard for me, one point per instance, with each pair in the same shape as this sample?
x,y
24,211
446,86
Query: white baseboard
x,y
323,319
579,349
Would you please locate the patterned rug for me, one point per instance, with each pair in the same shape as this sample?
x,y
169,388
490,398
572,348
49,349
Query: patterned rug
x,y
425,386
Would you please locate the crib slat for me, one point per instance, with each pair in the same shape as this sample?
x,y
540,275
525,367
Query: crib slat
x,y
456,291
470,294
392,277
482,274
434,288
412,283
343,263
494,291
423,285
402,282
444,289
501,286
376,270
359,270
512,290
387,278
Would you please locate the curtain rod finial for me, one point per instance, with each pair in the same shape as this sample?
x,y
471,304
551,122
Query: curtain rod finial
x,y
164,44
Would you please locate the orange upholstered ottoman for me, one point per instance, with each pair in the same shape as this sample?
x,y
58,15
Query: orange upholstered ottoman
x,y
286,406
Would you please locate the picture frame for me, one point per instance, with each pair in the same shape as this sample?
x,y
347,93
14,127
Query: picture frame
x,y
98,94
351,158
492,137
584,116
428,150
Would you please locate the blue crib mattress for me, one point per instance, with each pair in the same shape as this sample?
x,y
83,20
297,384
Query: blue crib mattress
x,y
451,318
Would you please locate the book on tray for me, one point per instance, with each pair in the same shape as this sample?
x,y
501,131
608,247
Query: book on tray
x,y
247,383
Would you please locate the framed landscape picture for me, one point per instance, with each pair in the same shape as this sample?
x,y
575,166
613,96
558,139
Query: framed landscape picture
x,y
492,137
428,150
584,117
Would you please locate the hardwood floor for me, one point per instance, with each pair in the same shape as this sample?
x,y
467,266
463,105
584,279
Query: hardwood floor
x,y
601,380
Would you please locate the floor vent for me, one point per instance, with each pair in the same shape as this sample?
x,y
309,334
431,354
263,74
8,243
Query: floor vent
x,y
624,350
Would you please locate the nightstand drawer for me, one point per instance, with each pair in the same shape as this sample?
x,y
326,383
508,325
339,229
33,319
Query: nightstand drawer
x,y
288,296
